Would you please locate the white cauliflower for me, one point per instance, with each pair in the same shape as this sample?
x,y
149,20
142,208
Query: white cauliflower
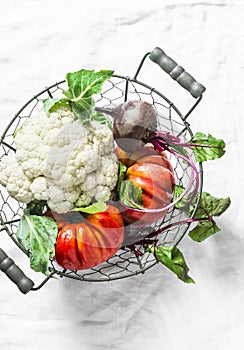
x,y
60,161
38,188
35,139
75,166
18,185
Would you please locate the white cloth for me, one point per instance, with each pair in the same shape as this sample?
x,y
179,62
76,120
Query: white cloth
x,y
40,42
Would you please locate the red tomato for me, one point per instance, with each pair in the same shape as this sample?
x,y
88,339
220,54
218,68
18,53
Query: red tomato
x,y
153,173
83,245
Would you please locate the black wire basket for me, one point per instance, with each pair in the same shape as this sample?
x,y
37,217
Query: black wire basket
x,y
118,89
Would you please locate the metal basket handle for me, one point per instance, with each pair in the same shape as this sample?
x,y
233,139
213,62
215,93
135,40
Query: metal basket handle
x,y
14,273
177,72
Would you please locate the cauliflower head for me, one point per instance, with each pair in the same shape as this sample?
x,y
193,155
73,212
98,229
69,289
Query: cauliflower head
x,y
34,140
60,161
81,166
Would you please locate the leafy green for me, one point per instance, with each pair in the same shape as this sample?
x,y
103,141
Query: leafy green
x,y
38,235
208,208
131,195
203,230
184,204
51,104
121,175
103,119
207,147
82,85
17,130
173,259
36,207
94,208
210,205
179,150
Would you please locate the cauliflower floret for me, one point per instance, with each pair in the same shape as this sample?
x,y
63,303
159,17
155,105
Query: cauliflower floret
x,y
101,140
14,179
83,200
57,200
35,139
18,185
39,188
76,168
102,191
105,175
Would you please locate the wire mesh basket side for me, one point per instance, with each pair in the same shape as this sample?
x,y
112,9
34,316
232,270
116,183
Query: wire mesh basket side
x,y
126,262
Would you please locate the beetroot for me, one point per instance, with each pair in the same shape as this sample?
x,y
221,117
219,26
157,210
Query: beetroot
x,y
133,120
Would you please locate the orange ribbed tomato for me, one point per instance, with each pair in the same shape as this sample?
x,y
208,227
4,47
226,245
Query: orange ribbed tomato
x,y
85,244
153,173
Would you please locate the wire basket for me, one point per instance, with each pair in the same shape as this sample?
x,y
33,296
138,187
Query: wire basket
x,y
118,89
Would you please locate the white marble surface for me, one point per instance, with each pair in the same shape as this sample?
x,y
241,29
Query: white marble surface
x,y
39,42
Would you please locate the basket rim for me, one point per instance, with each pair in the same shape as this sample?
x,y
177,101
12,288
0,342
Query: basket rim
x,y
187,127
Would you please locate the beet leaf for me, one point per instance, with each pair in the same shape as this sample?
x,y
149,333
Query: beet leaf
x,y
209,207
173,259
207,147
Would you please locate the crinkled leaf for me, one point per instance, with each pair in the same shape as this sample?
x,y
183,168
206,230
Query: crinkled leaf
x,y
208,208
174,260
94,208
211,206
121,175
185,204
103,119
179,149
36,207
83,109
203,230
209,147
83,84
51,104
131,195
38,235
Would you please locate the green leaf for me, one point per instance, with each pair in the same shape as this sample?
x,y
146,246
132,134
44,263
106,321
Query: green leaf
x,y
207,147
203,230
94,208
17,130
211,206
38,235
36,207
83,109
174,260
208,208
103,119
121,176
180,150
185,204
131,195
83,84
51,104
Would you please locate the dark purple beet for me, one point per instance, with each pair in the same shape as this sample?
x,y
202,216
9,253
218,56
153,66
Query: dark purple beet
x,y
132,122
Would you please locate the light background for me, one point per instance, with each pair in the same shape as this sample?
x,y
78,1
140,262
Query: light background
x,y
40,41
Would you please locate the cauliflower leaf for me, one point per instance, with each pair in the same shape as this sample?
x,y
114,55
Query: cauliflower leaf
x,y
94,208
82,85
38,235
